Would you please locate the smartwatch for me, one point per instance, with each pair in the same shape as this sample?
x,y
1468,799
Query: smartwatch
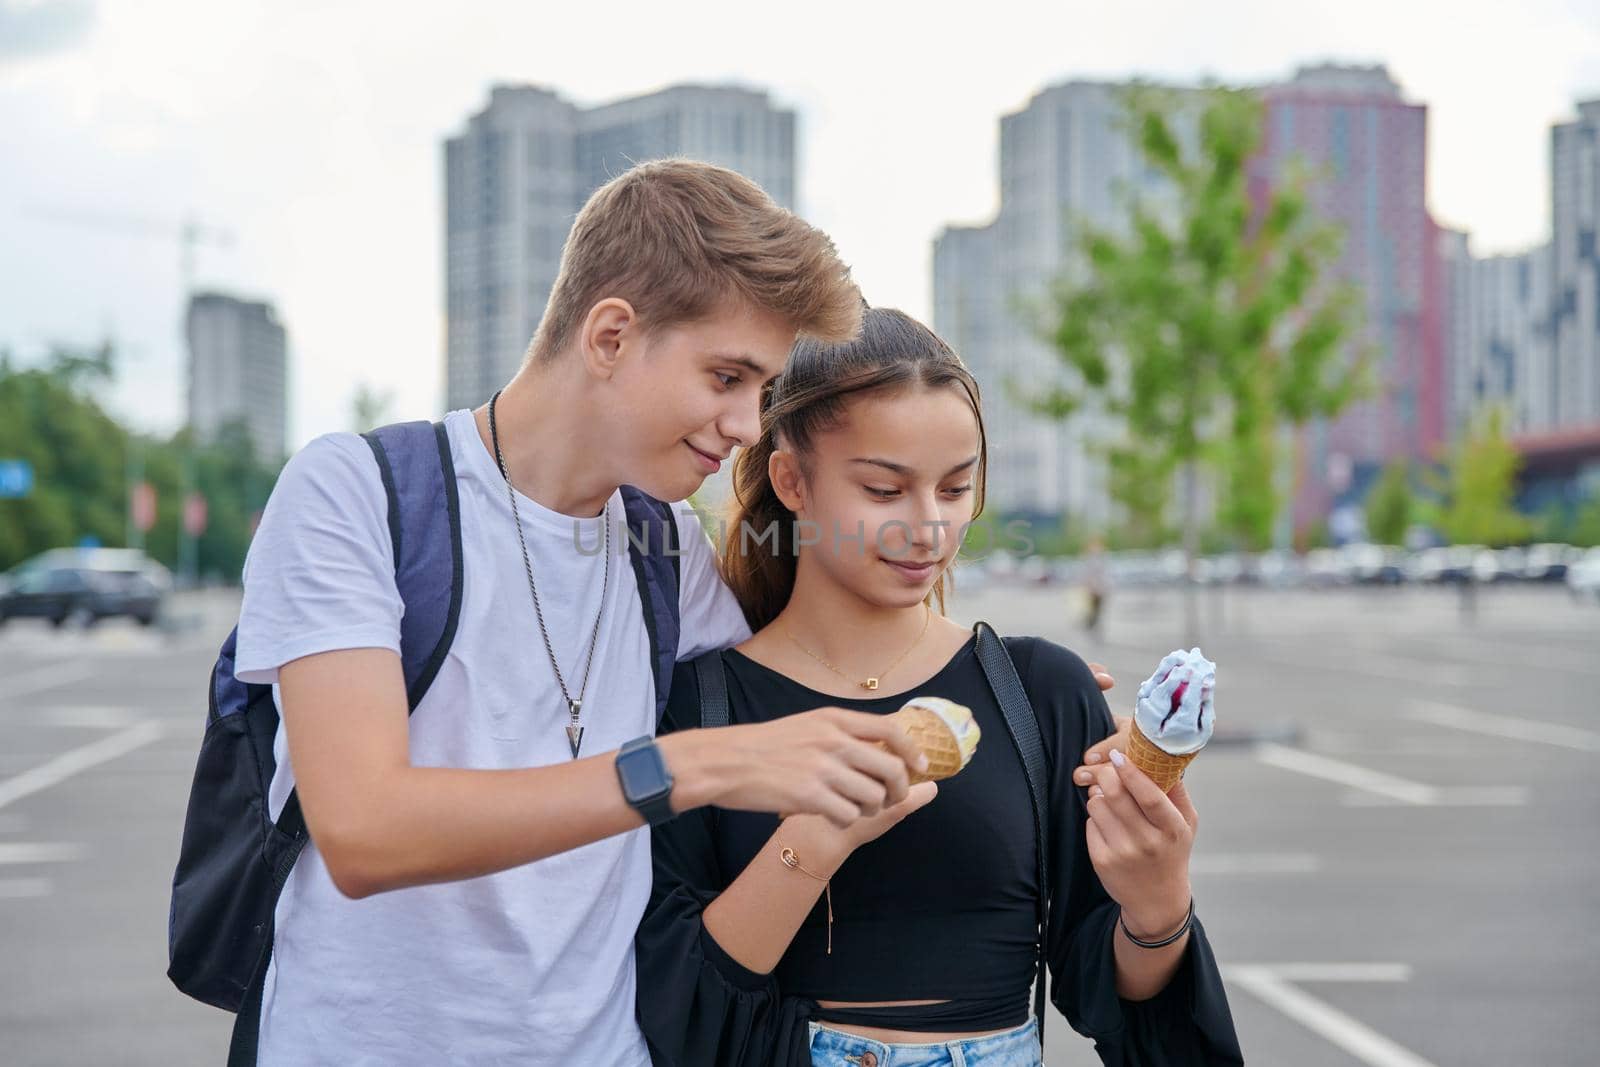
x,y
646,785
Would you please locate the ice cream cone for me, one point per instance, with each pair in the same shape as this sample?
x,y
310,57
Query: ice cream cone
x,y
945,732
1163,768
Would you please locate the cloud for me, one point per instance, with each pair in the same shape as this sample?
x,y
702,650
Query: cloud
x,y
31,29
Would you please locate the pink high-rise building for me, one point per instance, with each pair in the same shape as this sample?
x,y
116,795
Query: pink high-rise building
x,y
1366,148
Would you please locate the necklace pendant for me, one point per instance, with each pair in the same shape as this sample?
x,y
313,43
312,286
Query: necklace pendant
x,y
870,683
574,730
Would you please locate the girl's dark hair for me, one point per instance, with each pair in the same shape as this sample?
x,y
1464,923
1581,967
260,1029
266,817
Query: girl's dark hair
x,y
893,352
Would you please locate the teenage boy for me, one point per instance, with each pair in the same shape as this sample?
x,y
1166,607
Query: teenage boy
x,y
417,927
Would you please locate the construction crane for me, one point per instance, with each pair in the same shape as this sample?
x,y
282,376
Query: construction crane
x,y
189,233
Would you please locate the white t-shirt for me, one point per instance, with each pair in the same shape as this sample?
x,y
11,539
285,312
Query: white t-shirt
x,y
530,966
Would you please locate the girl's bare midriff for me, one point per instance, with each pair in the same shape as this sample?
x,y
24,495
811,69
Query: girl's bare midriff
x,y
905,1037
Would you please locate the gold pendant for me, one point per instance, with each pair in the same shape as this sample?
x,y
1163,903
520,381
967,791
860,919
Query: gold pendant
x,y
870,683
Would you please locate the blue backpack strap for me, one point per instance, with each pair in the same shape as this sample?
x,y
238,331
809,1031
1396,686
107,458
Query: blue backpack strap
x,y
654,552
1022,723
424,505
424,514
419,479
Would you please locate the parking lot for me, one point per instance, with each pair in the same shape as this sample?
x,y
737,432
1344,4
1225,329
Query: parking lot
x,y
1396,863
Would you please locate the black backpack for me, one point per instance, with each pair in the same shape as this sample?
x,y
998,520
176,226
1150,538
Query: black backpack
x,y
235,860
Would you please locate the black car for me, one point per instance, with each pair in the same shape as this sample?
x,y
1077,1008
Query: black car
x,y
89,584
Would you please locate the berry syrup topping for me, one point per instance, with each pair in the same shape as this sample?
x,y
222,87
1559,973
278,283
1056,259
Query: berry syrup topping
x,y
1177,699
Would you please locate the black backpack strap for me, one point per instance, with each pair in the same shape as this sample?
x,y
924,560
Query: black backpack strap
x,y
1022,723
424,515
713,689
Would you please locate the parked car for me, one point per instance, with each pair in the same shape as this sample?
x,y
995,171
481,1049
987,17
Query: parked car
x,y
1449,564
1322,567
1583,575
1280,569
92,584
1499,564
1548,563
1366,564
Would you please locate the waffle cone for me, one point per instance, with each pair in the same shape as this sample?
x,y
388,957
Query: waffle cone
x,y
936,740
1163,768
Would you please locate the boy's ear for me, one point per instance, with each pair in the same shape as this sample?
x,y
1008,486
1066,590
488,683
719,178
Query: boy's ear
x,y
783,468
610,326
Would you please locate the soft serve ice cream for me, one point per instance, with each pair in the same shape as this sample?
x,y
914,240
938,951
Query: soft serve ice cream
x,y
1174,716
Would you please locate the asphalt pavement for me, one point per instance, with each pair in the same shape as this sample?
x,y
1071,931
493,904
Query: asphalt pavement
x,y
1397,859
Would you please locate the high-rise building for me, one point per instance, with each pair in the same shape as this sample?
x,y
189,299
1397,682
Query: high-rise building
x,y
1575,268
1525,328
238,370
1366,150
1497,337
1065,161
519,173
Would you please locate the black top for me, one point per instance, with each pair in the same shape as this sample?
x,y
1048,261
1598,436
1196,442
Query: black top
x,y
942,906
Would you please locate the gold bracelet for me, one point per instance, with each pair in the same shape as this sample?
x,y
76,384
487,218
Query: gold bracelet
x,y
791,861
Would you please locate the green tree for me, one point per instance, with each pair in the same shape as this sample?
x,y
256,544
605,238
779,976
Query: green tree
x,y
1206,327
1391,505
50,418
1477,489
1584,528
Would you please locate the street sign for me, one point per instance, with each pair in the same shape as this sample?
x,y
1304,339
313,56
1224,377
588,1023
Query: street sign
x,y
16,477
194,515
142,506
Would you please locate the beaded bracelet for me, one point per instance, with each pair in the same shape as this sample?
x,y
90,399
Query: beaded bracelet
x,y
1188,921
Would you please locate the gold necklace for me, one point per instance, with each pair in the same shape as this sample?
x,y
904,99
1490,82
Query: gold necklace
x,y
870,683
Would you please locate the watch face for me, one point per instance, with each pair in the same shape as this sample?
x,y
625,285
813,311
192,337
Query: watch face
x,y
643,773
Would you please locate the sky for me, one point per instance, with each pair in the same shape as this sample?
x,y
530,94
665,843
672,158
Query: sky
x,y
308,136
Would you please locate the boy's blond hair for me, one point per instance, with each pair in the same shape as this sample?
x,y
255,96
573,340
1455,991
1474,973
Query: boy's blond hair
x,y
675,238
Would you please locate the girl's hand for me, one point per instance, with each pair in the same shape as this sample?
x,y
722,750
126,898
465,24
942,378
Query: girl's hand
x,y
1139,842
818,841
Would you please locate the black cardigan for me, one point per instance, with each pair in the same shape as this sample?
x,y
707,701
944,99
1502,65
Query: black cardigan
x,y
698,1007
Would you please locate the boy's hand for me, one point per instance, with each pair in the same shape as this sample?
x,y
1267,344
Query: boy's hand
x,y
839,764
1100,753
1102,677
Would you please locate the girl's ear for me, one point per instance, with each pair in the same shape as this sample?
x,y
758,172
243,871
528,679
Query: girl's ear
x,y
783,469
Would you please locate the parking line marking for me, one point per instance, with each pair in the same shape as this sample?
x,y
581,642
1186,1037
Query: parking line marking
x,y
1332,770
1508,726
1388,788
1273,984
24,888
77,760
57,674
1515,654
92,716
38,852
1363,661
1231,863
1487,796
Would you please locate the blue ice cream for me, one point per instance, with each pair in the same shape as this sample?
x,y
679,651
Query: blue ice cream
x,y
1175,710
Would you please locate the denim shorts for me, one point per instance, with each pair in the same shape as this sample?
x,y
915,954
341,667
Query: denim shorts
x,y
1014,1048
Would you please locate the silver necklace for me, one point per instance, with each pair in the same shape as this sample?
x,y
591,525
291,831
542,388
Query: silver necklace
x,y
574,705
